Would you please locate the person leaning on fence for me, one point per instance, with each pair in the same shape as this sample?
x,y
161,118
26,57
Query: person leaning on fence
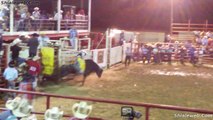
x,y
192,55
33,45
182,54
10,75
144,51
43,40
128,54
35,17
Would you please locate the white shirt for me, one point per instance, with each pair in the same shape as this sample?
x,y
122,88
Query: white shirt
x,y
10,74
56,16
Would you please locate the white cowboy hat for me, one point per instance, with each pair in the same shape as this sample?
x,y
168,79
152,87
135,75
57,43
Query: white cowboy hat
x,y
36,8
53,114
16,41
81,110
13,104
36,58
24,34
24,109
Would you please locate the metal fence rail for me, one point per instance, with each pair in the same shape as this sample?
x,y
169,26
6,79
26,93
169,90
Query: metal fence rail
x,y
147,106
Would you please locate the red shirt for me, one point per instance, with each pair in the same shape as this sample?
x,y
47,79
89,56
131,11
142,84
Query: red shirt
x,y
34,67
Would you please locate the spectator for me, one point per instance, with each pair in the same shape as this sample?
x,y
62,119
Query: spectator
x,y
33,45
169,53
11,74
34,68
43,40
23,10
15,49
44,15
149,53
155,52
204,41
58,14
128,53
81,12
36,16
182,54
144,51
192,55
67,16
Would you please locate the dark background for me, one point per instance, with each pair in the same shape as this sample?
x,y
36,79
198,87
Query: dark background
x,y
148,15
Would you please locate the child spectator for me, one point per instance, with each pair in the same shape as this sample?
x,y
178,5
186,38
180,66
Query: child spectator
x,y
11,74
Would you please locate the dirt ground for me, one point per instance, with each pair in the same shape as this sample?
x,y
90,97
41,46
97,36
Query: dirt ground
x,y
159,84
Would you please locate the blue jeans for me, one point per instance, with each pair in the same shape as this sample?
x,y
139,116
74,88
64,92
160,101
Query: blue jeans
x,y
11,85
5,114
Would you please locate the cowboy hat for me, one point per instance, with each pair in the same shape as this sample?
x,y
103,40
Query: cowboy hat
x,y
36,58
35,35
24,34
16,41
13,104
53,114
24,109
36,8
81,110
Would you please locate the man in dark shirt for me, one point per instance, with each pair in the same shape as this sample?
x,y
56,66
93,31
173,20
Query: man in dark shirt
x,y
15,49
33,44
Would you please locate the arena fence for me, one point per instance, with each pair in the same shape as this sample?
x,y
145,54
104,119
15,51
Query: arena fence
x,y
51,25
147,106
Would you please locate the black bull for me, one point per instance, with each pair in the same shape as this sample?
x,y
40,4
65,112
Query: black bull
x,y
90,67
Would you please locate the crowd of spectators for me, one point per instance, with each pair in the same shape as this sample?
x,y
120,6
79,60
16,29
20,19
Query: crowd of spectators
x,y
30,21
190,50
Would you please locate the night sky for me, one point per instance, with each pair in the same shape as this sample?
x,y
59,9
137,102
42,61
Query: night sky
x,y
149,15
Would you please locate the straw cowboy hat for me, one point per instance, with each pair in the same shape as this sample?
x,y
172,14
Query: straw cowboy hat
x,y
16,41
36,58
24,109
53,114
81,110
13,104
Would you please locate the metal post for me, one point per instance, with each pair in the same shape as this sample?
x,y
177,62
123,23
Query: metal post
x,y
171,16
59,19
147,113
189,25
107,47
11,17
89,15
